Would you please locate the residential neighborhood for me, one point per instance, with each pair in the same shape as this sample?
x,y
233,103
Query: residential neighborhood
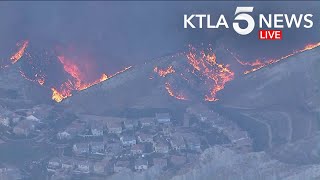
x,y
108,145
102,146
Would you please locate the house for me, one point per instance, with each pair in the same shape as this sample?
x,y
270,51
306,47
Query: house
x,y
99,168
71,131
193,142
15,118
160,162
128,140
114,124
67,164
167,130
32,118
80,148
143,138
83,167
202,112
113,149
243,141
121,166
114,127
97,147
128,124
54,164
64,135
237,136
5,121
177,142
41,111
10,173
178,160
97,128
103,167
161,147
146,122
163,117
24,128
209,116
61,175
140,164
137,149
214,117
223,124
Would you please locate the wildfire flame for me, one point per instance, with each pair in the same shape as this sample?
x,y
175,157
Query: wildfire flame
x,y
59,96
164,72
172,93
76,82
258,64
22,47
39,78
207,66
204,65
66,88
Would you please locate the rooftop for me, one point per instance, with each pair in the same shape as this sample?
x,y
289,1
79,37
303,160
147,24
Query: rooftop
x,y
122,163
141,162
146,120
114,124
163,116
26,124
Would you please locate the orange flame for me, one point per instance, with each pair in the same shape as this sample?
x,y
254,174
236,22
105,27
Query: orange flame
x,y
39,78
58,96
121,71
75,83
41,81
205,66
22,47
208,67
65,91
69,86
70,68
172,93
164,72
258,64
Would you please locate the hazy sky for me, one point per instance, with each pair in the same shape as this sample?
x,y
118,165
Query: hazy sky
x,y
117,34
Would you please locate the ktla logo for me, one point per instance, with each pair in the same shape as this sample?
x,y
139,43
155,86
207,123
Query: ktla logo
x,y
270,25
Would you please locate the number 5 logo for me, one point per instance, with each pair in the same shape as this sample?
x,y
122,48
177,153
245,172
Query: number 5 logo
x,y
241,15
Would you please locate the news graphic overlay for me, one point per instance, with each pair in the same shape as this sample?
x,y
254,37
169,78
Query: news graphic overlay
x,y
270,26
